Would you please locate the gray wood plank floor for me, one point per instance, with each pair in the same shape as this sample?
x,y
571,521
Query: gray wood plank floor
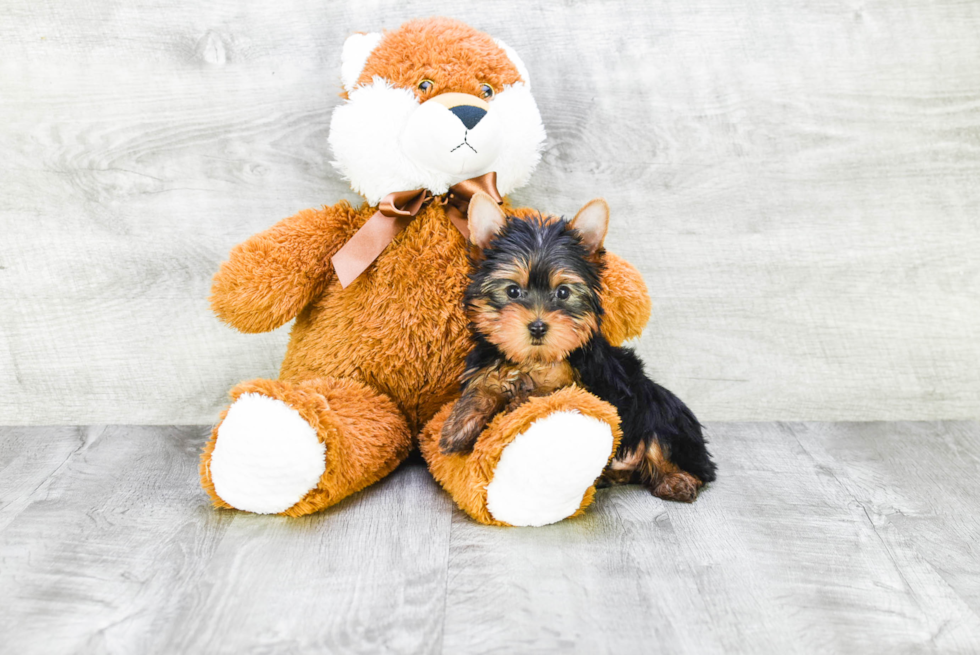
x,y
839,537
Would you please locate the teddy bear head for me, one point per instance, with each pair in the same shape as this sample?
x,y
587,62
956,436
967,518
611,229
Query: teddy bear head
x,y
431,104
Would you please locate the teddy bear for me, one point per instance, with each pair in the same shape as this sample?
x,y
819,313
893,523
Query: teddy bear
x,y
432,112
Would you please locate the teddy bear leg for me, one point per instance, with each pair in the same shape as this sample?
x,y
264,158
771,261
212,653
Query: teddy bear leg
x,y
533,466
296,448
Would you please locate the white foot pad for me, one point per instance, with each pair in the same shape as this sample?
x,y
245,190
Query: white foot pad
x,y
267,457
543,474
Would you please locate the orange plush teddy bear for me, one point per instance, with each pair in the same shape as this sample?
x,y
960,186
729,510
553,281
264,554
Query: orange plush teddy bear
x,y
433,112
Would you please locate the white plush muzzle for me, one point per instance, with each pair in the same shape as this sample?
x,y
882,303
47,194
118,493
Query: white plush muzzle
x,y
437,140
384,140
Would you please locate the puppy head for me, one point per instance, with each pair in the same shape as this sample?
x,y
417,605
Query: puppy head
x,y
430,104
534,291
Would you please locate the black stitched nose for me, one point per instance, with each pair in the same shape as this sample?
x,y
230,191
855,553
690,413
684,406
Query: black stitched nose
x,y
537,328
469,115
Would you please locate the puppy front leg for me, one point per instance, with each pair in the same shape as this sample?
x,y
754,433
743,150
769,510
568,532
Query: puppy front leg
x,y
469,417
518,390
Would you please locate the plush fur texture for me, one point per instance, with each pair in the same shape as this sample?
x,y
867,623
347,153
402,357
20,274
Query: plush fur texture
x,y
364,434
367,367
396,327
396,330
260,474
516,60
357,49
387,136
467,475
524,493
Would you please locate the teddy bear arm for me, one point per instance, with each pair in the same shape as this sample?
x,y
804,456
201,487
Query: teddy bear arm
x,y
625,300
269,278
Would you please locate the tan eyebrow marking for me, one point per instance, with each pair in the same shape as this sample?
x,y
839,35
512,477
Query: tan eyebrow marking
x,y
513,272
559,277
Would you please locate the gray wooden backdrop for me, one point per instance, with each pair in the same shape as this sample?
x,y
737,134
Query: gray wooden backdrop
x,y
798,180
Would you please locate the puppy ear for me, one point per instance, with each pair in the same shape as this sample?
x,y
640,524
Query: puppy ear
x,y
485,219
591,222
357,49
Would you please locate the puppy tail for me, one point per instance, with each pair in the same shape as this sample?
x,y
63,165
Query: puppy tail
x,y
679,434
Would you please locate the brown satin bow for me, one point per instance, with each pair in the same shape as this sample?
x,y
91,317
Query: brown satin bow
x,y
395,212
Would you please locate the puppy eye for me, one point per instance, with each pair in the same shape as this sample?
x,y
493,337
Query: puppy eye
x,y
513,292
426,85
486,91
563,293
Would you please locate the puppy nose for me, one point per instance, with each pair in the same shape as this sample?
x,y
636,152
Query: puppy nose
x,y
537,328
469,115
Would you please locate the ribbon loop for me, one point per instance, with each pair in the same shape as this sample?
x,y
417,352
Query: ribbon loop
x,y
404,203
395,211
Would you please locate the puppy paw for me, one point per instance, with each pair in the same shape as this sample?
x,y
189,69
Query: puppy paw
x,y
680,486
460,435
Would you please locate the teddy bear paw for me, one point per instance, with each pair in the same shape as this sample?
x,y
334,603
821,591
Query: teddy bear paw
x,y
266,457
545,472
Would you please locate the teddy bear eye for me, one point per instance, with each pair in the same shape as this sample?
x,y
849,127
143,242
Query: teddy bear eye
x,y
513,292
563,293
486,91
426,85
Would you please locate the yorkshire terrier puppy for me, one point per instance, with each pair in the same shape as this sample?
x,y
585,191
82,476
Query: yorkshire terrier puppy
x,y
535,311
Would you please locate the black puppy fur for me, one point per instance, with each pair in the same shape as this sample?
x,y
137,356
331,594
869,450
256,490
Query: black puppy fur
x,y
647,410
660,433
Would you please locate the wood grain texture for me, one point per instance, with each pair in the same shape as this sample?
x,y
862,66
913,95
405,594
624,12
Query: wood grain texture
x,y
119,551
851,537
797,181
782,554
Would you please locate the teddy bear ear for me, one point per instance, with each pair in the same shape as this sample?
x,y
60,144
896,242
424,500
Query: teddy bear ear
x,y
516,60
485,219
357,49
592,222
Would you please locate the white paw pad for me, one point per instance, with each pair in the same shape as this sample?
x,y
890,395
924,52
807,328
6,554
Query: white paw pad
x,y
545,471
267,457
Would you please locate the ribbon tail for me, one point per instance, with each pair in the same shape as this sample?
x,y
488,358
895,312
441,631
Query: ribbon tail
x,y
459,221
366,245
395,212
